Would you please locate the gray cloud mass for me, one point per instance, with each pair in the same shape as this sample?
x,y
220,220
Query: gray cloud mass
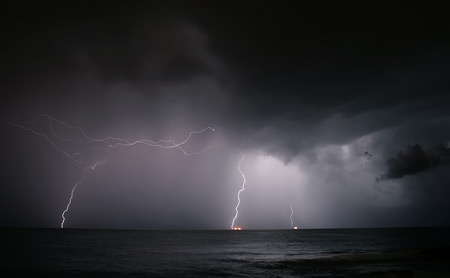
x,y
347,111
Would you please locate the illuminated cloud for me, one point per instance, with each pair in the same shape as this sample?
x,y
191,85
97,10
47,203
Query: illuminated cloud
x,y
326,97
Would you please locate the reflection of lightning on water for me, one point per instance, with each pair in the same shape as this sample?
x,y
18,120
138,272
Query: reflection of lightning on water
x,y
111,142
239,192
292,213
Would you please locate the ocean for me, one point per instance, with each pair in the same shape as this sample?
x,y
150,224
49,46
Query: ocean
x,y
387,252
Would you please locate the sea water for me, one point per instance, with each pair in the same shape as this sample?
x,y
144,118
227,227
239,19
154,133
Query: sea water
x,y
393,252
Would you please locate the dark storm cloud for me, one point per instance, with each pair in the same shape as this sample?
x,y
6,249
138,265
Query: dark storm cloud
x,y
297,80
324,87
330,78
414,159
409,162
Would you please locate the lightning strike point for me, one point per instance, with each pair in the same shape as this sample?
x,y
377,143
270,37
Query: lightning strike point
x,y
108,143
92,167
239,192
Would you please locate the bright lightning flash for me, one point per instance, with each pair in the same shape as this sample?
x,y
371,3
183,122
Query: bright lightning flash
x,y
114,142
92,167
239,192
292,213
109,142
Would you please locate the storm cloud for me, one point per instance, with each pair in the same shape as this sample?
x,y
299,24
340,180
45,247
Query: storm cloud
x,y
414,159
325,97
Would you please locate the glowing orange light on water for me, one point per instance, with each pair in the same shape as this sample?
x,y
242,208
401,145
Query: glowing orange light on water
x,y
237,228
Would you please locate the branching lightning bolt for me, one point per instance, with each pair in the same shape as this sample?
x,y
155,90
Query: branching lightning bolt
x,y
114,142
239,192
292,213
92,167
111,142
49,140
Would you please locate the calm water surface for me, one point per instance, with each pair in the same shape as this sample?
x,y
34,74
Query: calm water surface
x,y
400,252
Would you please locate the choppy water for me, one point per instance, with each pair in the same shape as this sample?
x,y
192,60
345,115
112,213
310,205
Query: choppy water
x,y
403,252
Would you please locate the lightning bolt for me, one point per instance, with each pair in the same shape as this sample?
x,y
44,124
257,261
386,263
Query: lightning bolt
x,y
114,142
92,167
48,139
292,213
109,142
239,192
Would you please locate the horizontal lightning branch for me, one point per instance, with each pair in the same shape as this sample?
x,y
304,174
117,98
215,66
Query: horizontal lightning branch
x,y
92,144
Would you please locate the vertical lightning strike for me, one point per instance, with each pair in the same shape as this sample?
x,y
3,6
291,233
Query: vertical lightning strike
x,y
110,142
239,192
92,167
292,213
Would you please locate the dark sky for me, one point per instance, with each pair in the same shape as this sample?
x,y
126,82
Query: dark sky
x,y
344,114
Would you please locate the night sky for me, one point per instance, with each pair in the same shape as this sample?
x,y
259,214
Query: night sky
x,y
343,114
